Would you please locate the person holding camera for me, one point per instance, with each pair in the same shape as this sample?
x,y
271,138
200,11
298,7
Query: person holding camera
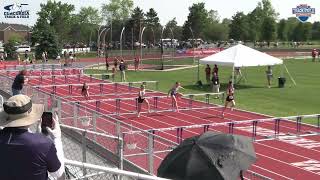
x,y
27,155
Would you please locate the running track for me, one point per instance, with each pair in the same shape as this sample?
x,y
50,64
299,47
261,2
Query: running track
x,y
277,159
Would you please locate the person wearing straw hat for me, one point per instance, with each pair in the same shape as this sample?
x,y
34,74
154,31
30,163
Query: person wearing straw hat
x,y
18,82
27,155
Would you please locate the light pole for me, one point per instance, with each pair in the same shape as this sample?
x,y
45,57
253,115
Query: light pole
x,y
154,37
198,74
121,40
172,37
141,35
98,40
111,30
104,40
161,48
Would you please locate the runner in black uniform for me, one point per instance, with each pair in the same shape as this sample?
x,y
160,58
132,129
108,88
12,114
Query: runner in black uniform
x,y
84,90
230,98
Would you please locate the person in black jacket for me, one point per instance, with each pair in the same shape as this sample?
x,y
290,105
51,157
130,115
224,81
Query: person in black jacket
x,y
215,83
18,82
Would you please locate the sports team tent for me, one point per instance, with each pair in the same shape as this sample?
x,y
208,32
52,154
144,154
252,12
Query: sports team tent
x,y
241,56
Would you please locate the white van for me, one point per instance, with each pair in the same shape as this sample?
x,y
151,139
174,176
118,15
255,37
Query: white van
x,y
23,48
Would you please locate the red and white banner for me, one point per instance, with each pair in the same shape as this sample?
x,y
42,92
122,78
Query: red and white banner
x,y
200,52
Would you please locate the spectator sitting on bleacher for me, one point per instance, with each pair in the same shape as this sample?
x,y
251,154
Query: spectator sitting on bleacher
x,y
27,155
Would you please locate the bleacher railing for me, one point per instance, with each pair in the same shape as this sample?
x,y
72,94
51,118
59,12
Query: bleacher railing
x,y
100,172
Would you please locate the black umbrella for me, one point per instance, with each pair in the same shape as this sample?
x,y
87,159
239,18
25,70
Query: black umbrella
x,y
210,156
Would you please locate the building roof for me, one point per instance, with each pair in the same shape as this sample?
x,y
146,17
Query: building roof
x,y
16,27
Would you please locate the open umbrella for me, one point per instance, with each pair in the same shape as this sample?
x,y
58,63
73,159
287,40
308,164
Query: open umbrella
x,y
211,156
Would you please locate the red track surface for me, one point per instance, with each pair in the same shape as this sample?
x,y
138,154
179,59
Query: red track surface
x,y
277,159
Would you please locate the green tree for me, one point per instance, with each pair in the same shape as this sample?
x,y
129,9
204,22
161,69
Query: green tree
x,y
254,19
239,27
134,25
177,30
115,13
59,16
16,38
87,22
292,23
315,33
118,9
48,41
213,16
302,32
282,30
257,17
153,26
269,29
10,48
215,30
267,9
197,21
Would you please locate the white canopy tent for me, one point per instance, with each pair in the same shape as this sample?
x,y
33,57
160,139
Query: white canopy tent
x,y
241,56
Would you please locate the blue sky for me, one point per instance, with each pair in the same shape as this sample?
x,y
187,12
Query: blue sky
x,y
168,9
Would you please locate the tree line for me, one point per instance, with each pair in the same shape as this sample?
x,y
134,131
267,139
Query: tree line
x,y
59,25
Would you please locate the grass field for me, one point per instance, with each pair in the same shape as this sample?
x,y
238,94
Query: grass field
x,y
252,95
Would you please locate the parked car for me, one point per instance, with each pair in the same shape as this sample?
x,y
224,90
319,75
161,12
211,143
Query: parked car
x,y
23,48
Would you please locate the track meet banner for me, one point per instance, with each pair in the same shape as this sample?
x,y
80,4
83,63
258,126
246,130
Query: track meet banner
x,y
200,52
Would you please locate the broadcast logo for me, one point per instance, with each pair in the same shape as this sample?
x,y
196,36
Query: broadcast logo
x,y
303,12
16,11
